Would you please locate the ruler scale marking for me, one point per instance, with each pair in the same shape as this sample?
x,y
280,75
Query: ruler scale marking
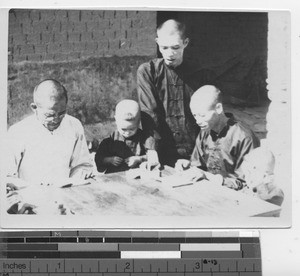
x,y
116,253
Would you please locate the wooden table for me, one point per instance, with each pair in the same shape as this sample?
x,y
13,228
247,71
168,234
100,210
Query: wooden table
x,y
116,195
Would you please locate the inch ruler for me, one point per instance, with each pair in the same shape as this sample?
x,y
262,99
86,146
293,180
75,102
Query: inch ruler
x,y
130,253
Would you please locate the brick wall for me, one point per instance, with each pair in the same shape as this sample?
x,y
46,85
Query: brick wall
x,y
66,35
95,54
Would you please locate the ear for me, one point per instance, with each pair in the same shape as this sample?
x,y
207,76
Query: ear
x,y
186,42
219,108
33,107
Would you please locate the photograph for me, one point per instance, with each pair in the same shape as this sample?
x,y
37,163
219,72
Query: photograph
x,y
146,118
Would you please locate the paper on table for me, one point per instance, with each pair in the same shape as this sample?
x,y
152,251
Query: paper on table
x,y
184,178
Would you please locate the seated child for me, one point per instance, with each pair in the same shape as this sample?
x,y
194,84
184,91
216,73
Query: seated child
x,y
127,146
258,170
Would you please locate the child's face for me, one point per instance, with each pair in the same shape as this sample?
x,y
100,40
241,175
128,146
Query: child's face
x,y
127,128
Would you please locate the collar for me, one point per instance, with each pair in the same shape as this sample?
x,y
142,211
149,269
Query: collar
x,y
230,122
40,125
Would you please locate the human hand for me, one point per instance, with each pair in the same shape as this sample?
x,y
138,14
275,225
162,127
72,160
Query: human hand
x,y
14,201
115,160
15,183
182,164
11,187
133,161
79,173
87,174
27,209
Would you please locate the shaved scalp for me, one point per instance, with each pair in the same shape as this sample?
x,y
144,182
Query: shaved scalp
x,y
262,158
128,110
49,90
209,94
171,27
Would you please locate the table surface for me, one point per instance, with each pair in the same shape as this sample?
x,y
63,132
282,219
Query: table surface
x,y
117,195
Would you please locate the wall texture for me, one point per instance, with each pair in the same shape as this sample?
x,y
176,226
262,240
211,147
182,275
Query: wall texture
x,y
61,35
95,54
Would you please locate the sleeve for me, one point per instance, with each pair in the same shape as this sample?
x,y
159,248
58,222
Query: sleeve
x,y
150,143
102,152
146,91
245,145
14,152
236,180
80,159
196,157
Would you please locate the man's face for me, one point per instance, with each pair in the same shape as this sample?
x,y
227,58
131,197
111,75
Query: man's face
x,y
206,116
50,113
127,128
171,47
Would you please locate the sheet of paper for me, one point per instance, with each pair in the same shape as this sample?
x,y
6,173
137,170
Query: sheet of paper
x,y
184,178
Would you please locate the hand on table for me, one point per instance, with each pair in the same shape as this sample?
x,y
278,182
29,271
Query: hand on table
x,y
27,209
15,183
133,161
82,174
182,164
14,201
11,187
86,174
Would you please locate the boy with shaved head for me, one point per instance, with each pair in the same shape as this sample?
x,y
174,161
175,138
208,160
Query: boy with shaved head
x,y
165,86
48,145
222,142
258,172
127,146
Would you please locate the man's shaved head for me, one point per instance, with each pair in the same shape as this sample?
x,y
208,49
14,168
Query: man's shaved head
x,y
128,110
171,27
49,103
208,95
207,108
49,90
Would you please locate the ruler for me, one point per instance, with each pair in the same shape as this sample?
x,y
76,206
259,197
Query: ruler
x,y
130,253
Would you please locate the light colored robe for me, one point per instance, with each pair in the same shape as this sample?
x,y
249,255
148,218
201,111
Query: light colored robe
x,y
37,154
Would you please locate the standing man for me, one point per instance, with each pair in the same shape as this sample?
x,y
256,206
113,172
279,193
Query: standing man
x,y
165,86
